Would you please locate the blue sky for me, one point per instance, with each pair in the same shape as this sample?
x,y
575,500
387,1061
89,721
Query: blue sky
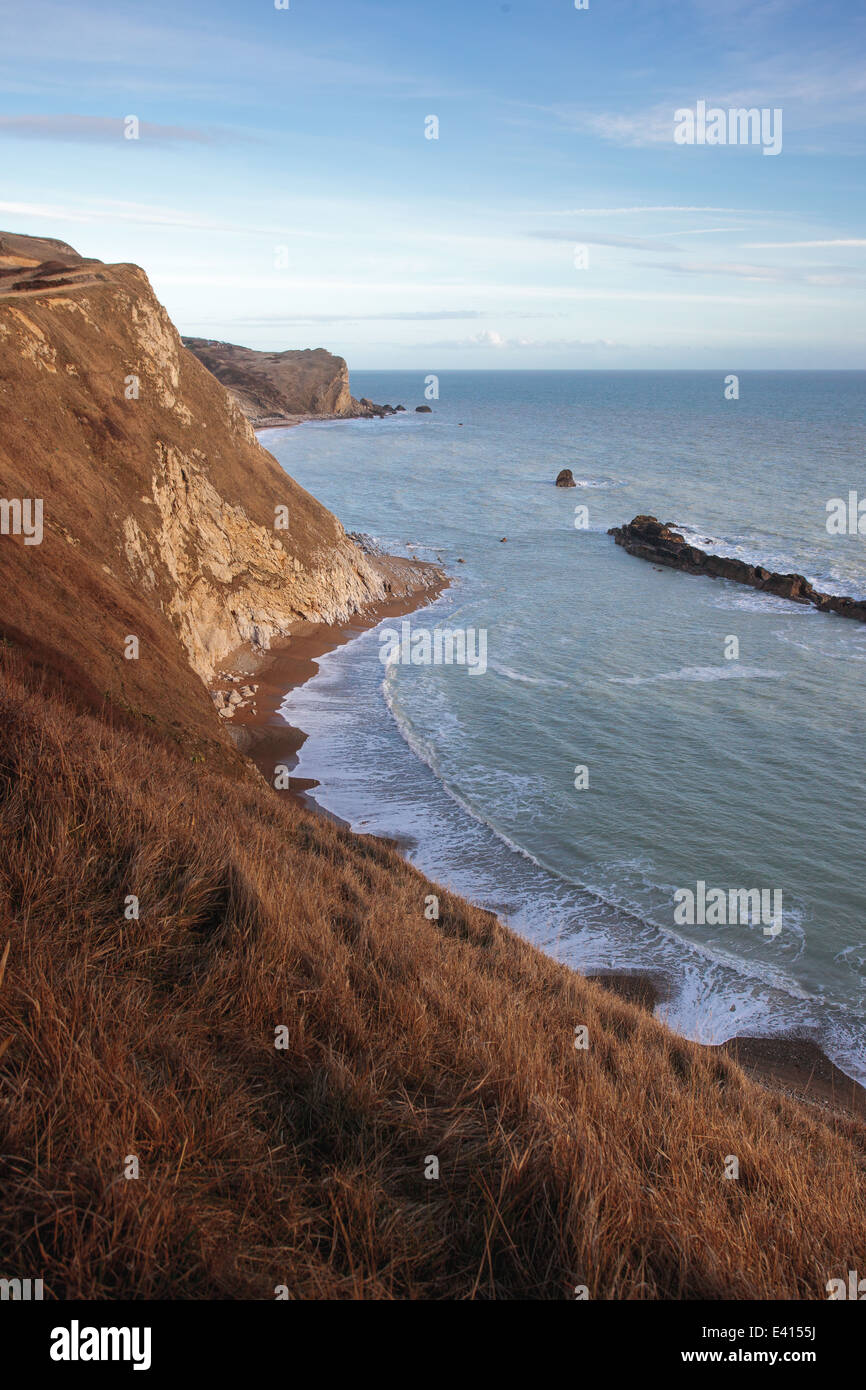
x,y
282,192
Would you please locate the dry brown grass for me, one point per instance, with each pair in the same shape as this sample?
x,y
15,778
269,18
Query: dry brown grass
x,y
304,1167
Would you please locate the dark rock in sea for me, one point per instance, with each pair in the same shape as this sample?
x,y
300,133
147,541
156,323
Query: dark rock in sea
x,y
565,478
399,408
650,539
423,410
371,410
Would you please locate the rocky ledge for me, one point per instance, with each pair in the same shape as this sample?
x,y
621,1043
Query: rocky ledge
x,y
650,539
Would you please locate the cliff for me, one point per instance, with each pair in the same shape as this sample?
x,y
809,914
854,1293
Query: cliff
x,y
274,386
163,517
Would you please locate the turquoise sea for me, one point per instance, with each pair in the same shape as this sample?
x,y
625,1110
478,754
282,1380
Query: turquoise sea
x,y
739,773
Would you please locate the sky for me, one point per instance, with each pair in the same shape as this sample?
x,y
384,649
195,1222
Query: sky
x,y
283,191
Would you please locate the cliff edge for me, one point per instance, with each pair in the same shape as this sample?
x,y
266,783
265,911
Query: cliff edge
x,y
161,516
271,387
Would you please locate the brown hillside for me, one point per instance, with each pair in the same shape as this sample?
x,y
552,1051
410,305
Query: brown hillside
x,y
405,1038
17,252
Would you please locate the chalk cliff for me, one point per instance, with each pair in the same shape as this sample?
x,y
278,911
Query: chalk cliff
x,y
164,519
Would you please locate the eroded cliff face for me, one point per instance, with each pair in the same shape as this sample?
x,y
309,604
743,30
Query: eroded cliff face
x,y
274,385
164,519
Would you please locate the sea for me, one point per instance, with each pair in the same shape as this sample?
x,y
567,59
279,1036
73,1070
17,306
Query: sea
x,y
635,732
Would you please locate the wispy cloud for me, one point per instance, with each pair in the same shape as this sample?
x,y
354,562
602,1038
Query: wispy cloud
x,y
629,211
409,316
595,239
707,231
490,338
778,245
126,48
652,126
101,128
495,291
811,275
150,215
829,91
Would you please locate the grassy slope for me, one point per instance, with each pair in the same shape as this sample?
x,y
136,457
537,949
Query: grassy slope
x,y
407,1037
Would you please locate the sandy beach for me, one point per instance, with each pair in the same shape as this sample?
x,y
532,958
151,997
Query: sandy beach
x,y
258,727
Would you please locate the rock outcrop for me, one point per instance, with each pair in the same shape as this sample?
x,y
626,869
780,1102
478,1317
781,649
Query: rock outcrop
x,y
565,478
366,407
276,387
164,520
649,539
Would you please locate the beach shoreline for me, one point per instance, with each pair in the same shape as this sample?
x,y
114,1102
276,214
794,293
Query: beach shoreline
x,y
796,1066
285,422
258,727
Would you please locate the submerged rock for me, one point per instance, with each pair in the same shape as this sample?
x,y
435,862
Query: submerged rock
x,y
423,410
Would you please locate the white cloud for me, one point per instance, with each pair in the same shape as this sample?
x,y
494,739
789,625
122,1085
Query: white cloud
x,y
810,275
141,214
778,245
654,126
616,212
407,316
490,338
